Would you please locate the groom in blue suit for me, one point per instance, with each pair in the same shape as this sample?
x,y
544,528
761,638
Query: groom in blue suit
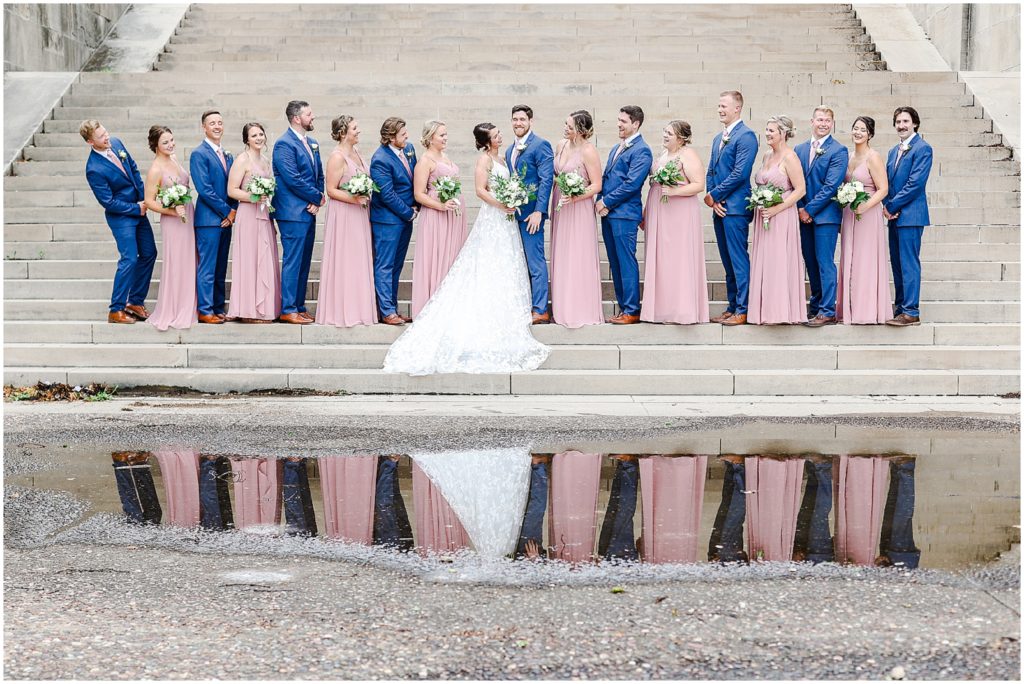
x,y
824,162
532,158
620,208
298,198
392,211
215,213
906,209
728,182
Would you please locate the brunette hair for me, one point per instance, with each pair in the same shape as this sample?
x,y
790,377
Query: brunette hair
x,y
869,124
526,109
154,136
389,129
209,112
635,114
248,127
482,135
583,123
339,126
914,116
293,108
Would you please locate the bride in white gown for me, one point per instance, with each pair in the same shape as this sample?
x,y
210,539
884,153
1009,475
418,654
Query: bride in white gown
x,y
479,319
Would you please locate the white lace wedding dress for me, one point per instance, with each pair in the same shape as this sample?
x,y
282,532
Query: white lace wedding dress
x,y
479,319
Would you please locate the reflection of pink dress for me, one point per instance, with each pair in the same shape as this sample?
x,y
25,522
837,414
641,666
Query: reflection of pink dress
x,y
572,527
776,262
675,276
179,470
346,296
257,491
176,302
672,490
863,295
255,268
348,484
860,502
439,237
438,529
772,506
575,265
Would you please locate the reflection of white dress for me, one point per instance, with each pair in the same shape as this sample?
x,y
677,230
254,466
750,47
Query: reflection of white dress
x,y
487,489
479,319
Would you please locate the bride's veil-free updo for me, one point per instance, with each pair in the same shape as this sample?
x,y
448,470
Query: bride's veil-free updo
x,y
482,135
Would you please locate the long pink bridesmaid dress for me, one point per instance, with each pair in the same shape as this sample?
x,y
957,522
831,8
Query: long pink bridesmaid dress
x,y
572,525
439,237
257,485
349,485
773,503
179,471
863,296
860,490
776,262
255,266
575,263
176,303
438,529
675,275
672,490
346,296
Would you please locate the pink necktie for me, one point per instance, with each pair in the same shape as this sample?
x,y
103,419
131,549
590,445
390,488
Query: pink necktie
x,y
113,157
515,157
223,161
814,151
899,155
405,163
305,143
618,151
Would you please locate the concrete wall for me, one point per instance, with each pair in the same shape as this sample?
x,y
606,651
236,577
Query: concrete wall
x,y
973,37
55,37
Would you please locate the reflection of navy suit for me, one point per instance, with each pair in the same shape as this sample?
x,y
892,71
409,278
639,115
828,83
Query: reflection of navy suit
x,y
536,165
617,540
391,213
135,487
813,536
299,516
726,542
119,194
897,539
823,176
300,182
907,197
536,505
390,519
210,179
214,499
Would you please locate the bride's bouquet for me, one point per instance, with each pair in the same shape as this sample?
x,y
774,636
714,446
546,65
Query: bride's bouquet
x,y
851,195
449,188
764,197
360,185
261,191
570,184
513,192
669,175
176,195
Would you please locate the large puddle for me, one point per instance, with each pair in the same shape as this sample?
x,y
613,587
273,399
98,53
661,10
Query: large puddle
x,y
579,507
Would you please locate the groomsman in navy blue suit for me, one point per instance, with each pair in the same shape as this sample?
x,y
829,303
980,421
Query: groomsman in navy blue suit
x,y
531,157
620,208
906,209
117,185
728,182
209,166
896,543
298,198
392,211
824,162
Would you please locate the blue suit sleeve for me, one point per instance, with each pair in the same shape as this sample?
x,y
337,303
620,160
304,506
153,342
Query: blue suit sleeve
x,y
746,152
639,168
199,166
387,194
834,177
287,170
546,171
105,196
921,167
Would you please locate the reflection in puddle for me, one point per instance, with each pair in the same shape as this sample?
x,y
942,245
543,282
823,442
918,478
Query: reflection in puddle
x,y
575,507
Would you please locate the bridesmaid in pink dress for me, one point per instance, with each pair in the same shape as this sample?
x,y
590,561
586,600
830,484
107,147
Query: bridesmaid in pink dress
x,y
179,471
773,503
176,303
349,484
860,489
572,526
575,264
255,267
346,295
442,228
863,296
675,276
776,262
672,490
257,484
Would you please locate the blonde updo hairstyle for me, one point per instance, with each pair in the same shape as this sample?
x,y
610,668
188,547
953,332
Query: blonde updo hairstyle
x,y
339,126
429,129
583,123
682,130
785,125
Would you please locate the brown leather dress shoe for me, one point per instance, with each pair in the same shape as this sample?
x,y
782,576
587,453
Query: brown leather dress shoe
x,y
137,311
736,319
541,318
821,320
294,318
305,315
222,316
721,317
212,319
903,320
120,317
407,319
624,319
392,319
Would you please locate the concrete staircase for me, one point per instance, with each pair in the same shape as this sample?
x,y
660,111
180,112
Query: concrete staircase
x,y
424,61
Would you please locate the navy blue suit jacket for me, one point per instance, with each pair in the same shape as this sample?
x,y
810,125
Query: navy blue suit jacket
x,y
907,183
118,193
623,180
728,174
536,164
823,179
300,180
394,205
211,183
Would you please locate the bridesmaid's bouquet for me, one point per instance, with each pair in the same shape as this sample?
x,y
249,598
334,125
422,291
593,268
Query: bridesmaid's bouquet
x,y
513,192
851,195
449,188
176,195
669,175
570,184
360,185
261,190
764,197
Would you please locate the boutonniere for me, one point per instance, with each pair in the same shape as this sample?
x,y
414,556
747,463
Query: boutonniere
x,y
410,154
725,139
904,147
626,146
123,155
520,147
820,151
314,146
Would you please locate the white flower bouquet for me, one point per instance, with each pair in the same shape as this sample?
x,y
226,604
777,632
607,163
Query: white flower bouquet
x,y
513,192
570,184
448,188
669,175
764,197
261,190
851,195
360,185
176,195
